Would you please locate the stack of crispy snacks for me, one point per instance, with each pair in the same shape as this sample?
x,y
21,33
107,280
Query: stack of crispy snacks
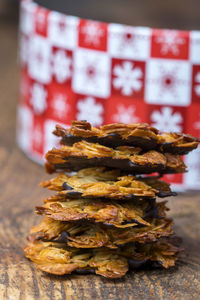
x,y
104,217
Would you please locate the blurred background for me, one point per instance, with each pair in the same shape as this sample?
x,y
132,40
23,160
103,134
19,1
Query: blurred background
x,y
177,14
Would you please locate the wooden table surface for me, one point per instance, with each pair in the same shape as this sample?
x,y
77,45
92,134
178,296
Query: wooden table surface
x,y
19,178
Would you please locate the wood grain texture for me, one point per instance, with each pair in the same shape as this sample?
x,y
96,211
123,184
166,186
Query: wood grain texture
x,y
19,178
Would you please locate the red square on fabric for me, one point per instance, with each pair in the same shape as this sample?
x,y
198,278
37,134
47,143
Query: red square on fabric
x,y
193,119
173,178
93,35
170,44
61,103
167,118
123,110
25,86
196,83
61,65
91,109
41,21
37,137
128,78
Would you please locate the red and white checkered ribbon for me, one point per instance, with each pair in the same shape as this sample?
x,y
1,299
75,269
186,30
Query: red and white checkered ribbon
x,y
72,68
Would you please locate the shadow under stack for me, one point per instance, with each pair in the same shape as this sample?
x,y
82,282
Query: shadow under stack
x,y
105,217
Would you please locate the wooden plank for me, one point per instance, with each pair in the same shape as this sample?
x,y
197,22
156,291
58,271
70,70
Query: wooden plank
x,y
19,277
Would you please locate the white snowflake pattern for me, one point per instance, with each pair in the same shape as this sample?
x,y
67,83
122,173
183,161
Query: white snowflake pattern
x,y
129,39
168,82
125,114
128,78
61,66
192,178
93,33
170,42
197,86
60,105
166,120
90,110
38,98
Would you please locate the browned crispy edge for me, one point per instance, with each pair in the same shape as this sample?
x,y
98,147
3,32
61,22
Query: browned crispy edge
x,y
179,143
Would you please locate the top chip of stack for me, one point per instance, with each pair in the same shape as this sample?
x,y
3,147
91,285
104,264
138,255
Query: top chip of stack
x,y
139,135
133,148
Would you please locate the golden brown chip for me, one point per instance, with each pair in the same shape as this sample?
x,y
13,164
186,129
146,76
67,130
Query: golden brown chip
x,y
84,129
102,183
82,235
161,186
163,252
129,159
118,134
178,143
118,214
107,212
57,258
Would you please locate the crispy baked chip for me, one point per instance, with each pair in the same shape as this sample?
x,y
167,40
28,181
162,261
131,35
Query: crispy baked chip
x,y
102,183
57,258
133,160
178,143
118,214
83,235
118,134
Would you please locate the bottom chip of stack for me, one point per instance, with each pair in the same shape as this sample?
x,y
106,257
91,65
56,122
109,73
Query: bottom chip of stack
x,y
57,258
63,247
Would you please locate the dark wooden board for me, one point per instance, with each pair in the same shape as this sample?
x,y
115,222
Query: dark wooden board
x,y
19,178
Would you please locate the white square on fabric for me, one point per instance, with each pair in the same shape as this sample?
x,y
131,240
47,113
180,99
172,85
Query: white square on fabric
x,y
195,47
50,140
129,42
168,82
27,24
39,64
63,30
91,73
24,127
192,177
